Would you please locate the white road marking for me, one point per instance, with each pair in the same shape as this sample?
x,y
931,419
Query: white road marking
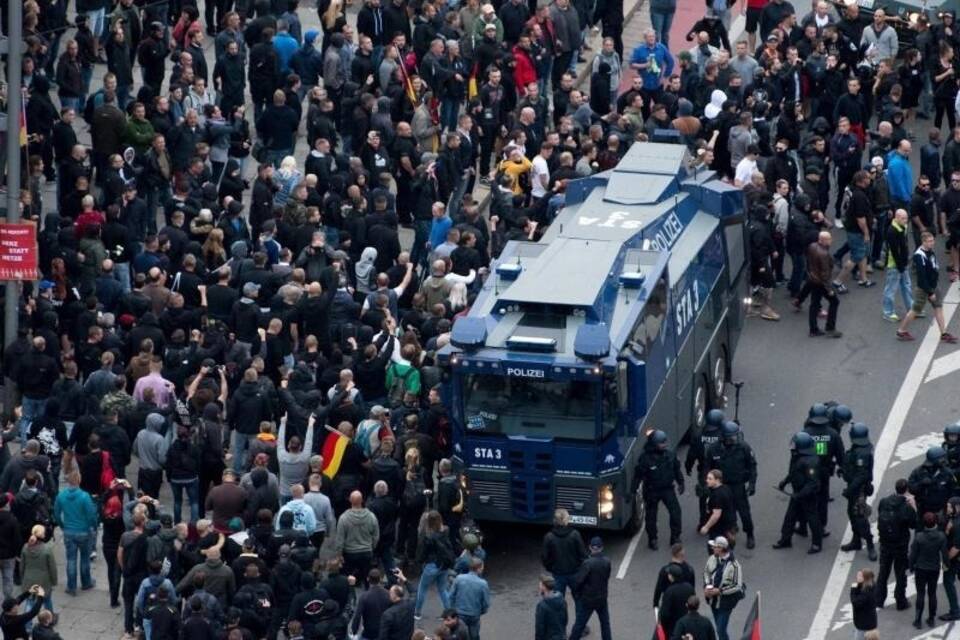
x,y
910,449
836,585
939,633
628,556
944,365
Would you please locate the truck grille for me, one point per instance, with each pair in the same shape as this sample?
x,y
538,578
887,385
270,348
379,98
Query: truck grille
x,y
532,497
496,491
575,499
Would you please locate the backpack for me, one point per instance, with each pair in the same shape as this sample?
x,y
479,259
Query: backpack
x,y
887,522
398,387
413,498
107,476
88,107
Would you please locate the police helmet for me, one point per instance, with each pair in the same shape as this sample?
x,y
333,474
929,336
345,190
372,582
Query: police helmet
x,y
936,454
715,418
730,429
818,414
657,437
951,433
841,414
859,433
802,442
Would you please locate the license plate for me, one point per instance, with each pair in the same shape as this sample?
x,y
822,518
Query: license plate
x,y
587,520
866,4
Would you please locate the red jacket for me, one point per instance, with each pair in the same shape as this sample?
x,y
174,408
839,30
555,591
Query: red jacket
x,y
525,72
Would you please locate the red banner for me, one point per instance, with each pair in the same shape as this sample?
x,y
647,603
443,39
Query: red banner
x,y
18,251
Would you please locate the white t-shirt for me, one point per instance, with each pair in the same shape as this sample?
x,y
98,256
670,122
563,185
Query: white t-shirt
x,y
539,176
745,169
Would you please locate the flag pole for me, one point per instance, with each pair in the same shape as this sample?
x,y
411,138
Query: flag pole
x,y
759,616
14,106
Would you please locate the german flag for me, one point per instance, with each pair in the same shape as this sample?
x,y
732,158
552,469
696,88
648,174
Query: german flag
x,y
659,633
751,628
333,448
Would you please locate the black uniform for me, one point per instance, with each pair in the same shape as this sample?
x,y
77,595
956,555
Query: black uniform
x,y
696,455
658,470
932,485
895,519
858,473
829,448
804,478
739,467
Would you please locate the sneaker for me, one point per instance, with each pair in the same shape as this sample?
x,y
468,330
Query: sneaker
x,y
878,264
866,284
838,223
417,617
891,317
751,542
782,544
904,336
833,333
70,592
949,617
869,268
796,304
484,180
92,585
822,313
814,549
771,315
816,334
840,287
921,314
949,338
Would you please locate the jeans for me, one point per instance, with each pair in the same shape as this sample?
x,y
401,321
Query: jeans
x,y
96,19
432,574
78,542
817,294
7,568
192,487
30,410
950,587
562,582
275,156
86,74
721,618
121,272
473,625
241,442
896,279
71,103
661,23
584,611
421,233
449,109
926,582
798,273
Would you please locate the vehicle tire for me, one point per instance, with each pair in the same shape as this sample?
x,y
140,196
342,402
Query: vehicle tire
x,y
719,381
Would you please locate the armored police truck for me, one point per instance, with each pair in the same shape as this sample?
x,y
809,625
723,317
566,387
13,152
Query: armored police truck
x,y
623,318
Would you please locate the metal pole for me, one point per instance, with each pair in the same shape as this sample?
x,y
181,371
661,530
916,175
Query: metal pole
x,y
14,105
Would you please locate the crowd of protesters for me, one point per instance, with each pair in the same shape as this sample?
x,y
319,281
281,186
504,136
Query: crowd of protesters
x,y
266,349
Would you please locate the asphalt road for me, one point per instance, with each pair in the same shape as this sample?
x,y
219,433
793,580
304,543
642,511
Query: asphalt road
x,y
901,390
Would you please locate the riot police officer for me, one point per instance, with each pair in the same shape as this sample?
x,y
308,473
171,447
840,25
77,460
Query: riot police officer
x,y
857,471
804,478
951,444
735,459
659,471
828,446
696,455
840,415
932,483
896,516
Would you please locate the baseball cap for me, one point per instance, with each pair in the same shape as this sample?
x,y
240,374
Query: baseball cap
x,y
250,288
45,284
490,27
596,542
773,38
719,541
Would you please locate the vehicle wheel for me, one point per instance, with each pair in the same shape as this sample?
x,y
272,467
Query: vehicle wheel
x,y
719,381
635,523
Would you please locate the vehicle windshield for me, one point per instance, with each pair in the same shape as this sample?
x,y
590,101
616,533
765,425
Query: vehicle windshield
x,y
534,407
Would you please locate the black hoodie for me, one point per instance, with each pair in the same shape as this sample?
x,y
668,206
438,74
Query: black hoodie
x,y
563,550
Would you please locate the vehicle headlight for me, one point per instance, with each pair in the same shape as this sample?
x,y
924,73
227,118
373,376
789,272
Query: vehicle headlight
x,y
605,501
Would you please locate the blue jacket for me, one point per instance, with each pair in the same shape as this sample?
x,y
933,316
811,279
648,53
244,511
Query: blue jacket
x,y
438,231
899,177
285,46
470,595
74,510
664,60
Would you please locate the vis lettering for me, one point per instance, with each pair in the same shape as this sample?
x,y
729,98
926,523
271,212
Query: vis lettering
x,y
525,373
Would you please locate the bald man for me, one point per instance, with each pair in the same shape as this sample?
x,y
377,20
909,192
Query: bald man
x,y
357,535
34,375
819,274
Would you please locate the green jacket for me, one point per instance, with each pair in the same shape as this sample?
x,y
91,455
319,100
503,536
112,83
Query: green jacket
x,y
138,135
38,566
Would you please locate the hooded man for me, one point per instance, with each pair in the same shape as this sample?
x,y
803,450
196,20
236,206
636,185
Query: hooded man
x,y
150,446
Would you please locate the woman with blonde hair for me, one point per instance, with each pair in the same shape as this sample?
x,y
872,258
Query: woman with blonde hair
x,y
864,604
214,255
38,564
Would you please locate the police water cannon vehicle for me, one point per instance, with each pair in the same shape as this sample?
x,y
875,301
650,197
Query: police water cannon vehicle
x,y
623,318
